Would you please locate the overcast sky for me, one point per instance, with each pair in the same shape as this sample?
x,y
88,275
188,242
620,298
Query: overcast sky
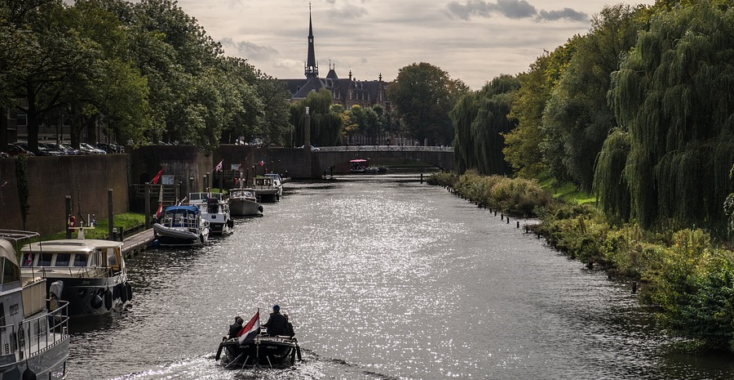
x,y
472,40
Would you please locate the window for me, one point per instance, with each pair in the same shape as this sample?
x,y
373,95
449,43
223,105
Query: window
x,y
27,259
80,260
45,259
63,259
111,257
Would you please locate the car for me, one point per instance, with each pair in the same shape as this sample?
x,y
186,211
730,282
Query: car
x,y
4,155
313,148
88,149
17,150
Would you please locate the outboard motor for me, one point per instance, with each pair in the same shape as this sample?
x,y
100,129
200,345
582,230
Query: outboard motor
x,y
56,288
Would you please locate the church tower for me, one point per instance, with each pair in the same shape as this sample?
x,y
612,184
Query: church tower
x,y
312,68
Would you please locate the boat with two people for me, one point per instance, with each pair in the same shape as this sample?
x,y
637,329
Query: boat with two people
x,y
265,189
254,347
215,210
243,202
277,182
92,272
34,328
181,226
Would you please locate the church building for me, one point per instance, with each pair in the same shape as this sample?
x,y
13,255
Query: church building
x,y
347,92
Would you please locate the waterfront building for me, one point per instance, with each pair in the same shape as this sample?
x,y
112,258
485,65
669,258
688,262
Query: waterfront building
x,y
347,92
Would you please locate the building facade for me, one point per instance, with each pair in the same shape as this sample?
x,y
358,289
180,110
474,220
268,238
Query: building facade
x,y
348,91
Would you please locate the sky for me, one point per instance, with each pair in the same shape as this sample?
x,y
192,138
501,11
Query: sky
x,y
472,40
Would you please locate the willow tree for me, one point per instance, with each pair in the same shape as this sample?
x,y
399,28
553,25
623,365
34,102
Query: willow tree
x,y
480,120
673,95
577,116
325,126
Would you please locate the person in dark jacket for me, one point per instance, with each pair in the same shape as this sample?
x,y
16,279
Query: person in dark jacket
x,y
235,328
276,323
288,327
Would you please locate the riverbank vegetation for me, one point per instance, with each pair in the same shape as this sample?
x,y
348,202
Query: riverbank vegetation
x,y
145,72
638,114
128,221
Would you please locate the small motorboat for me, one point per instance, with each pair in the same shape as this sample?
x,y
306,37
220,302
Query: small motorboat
x,y
181,226
265,190
243,202
215,210
263,351
34,329
92,272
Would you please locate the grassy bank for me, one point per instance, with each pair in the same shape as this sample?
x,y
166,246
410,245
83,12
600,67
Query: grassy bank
x,y
127,221
687,279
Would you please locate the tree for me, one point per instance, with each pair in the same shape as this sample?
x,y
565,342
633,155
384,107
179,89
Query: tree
x,y
423,95
577,116
480,120
672,95
325,125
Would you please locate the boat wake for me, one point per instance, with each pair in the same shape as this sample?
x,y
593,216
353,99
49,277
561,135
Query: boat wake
x,y
313,366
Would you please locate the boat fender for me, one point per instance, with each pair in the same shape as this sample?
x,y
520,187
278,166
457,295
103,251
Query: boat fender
x,y
96,301
122,290
108,299
230,223
129,291
219,351
28,374
260,208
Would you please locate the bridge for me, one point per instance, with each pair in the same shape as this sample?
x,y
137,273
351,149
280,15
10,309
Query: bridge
x,y
338,158
300,163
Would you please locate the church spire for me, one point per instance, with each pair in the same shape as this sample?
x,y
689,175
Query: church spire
x,y
312,68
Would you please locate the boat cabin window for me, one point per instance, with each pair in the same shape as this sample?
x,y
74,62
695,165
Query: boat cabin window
x,y
2,317
27,259
11,272
111,257
62,259
44,260
80,260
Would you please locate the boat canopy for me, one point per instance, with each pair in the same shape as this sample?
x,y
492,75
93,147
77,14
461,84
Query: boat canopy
x,y
182,209
357,161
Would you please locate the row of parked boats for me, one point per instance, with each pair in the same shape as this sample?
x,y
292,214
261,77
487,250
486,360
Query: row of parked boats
x,y
58,279
53,281
206,213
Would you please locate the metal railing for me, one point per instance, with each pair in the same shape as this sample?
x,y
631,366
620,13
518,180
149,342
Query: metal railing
x,y
385,148
37,335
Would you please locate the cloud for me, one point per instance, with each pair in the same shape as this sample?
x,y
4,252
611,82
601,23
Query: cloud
x,y
249,50
512,9
288,64
566,13
347,12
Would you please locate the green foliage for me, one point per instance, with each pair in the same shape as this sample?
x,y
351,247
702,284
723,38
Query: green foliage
x,y
423,95
672,95
21,175
577,118
446,179
480,122
325,125
519,197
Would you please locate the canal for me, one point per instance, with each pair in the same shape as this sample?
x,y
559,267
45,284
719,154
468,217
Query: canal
x,y
383,279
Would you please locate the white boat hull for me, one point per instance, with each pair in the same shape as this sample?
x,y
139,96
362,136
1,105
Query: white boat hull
x,y
172,236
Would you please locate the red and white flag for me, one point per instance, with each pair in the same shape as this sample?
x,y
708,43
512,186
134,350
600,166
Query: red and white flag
x,y
158,176
219,166
251,329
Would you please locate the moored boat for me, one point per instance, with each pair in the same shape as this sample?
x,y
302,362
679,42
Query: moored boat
x,y
265,190
92,272
215,210
277,182
181,226
34,329
243,202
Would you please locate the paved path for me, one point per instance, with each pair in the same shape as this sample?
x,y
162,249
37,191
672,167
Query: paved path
x,y
138,242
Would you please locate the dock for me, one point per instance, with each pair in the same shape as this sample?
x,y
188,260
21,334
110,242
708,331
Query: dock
x,y
133,244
